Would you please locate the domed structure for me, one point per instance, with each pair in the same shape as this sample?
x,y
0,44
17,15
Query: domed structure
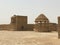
x,y
41,19
41,23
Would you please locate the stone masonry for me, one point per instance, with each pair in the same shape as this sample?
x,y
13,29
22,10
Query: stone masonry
x,y
58,27
19,23
42,24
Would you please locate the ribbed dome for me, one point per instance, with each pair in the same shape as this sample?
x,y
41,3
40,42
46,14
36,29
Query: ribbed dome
x,y
41,17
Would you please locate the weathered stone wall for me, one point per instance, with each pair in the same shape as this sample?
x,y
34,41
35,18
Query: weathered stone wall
x,y
29,27
45,27
53,26
58,27
41,27
19,22
5,27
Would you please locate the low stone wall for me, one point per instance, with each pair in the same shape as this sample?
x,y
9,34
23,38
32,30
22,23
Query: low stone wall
x,y
5,27
42,27
29,27
53,26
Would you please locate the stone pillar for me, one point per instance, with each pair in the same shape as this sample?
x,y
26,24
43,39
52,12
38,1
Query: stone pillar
x,y
58,27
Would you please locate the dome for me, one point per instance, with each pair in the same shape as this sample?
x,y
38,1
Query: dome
x,y
41,18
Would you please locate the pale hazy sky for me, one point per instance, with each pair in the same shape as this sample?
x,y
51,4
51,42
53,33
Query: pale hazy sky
x,y
30,8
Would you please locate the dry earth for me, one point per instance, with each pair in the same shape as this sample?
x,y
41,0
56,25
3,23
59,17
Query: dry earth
x,y
28,38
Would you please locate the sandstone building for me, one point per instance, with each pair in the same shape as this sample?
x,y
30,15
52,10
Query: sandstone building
x,y
19,23
42,24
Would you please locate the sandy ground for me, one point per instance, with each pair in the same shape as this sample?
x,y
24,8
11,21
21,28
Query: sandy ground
x,y
28,38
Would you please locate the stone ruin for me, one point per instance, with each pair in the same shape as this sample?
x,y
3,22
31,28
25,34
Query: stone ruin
x,y
42,24
19,23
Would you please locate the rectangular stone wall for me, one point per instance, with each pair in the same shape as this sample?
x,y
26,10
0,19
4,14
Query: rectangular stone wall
x,y
18,22
5,27
42,27
12,27
29,27
21,21
53,26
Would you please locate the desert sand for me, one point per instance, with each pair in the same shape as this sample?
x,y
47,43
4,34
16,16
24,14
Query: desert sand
x,y
28,38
